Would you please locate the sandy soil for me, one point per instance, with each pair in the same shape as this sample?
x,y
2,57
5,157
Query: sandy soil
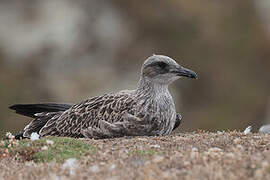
x,y
198,155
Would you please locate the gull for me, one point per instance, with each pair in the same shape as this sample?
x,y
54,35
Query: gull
x,y
148,110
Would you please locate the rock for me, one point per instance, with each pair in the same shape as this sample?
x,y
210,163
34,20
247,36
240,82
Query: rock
x,y
34,136
49,142
247,130
155,146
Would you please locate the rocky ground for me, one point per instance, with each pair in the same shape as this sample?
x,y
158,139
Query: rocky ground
x,y
197,155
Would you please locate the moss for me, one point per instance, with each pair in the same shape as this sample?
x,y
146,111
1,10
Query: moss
x,y
62,149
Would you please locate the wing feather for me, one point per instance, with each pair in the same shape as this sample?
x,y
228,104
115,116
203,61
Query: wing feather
x,y
108,107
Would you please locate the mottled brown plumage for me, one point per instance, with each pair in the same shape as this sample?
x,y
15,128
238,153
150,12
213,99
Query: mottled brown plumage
x,y
147,110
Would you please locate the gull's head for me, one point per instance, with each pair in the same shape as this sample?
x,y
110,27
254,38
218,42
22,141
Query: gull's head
x,y
164,70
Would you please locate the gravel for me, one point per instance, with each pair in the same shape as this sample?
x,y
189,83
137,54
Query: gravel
x,y
196,155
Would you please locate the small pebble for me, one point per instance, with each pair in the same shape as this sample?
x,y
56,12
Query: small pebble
x,y
34,136
247,130
155,146
50,142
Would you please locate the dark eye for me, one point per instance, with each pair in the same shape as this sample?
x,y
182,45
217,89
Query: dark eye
x,y
161,65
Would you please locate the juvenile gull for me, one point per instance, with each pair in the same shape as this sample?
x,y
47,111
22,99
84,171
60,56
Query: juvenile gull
x,y
148,110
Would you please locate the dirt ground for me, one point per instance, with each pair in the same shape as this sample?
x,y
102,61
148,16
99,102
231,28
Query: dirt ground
x,y
197,155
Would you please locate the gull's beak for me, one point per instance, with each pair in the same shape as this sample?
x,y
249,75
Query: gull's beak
x,y
181,71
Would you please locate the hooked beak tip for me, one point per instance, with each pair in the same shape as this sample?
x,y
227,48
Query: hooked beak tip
x,y
186,73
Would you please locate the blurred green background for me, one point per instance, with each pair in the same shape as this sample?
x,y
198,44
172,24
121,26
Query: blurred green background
x,y
67,51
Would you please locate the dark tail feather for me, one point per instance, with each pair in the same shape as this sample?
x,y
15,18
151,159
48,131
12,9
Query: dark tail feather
x,y
31,109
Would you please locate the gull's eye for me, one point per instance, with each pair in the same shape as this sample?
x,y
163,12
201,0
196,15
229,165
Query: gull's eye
x,y
161,65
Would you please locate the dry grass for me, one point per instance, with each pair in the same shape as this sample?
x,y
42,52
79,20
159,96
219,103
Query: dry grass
x,y
198,155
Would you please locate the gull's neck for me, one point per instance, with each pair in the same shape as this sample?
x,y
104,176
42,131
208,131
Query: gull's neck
x,y
149,89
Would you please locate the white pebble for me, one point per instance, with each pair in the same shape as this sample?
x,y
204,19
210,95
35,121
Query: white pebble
x,y
155,146
34,136
247,130
49,142
70,164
